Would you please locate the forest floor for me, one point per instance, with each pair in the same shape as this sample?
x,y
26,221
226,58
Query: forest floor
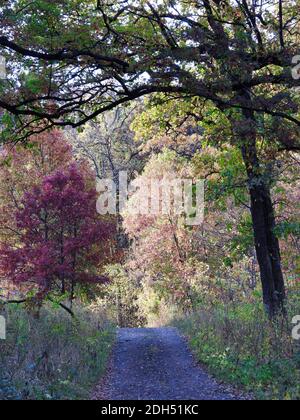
x,y
156,364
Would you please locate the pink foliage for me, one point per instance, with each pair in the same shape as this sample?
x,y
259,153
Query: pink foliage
x,y
62,240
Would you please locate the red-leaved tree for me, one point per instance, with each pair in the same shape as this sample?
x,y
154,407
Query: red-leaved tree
x,y
63,242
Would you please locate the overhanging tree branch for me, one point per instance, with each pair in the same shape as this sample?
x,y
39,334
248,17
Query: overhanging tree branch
x,y
116,63
21,301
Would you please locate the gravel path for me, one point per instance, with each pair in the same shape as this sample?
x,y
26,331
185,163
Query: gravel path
x,y
155,364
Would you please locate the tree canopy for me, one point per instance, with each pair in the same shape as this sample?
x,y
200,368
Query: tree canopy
x,y
69,61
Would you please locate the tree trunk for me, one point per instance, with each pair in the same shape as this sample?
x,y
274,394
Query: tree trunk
x,y
263,218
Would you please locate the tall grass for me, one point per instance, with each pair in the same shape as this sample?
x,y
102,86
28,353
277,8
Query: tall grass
x,y
53,356
239,344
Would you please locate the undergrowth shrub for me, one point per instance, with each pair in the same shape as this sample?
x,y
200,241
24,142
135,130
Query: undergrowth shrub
x,y
241,345
53,356
121,297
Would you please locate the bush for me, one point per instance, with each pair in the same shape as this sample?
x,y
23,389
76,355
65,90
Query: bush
x,y
240,345
120,297
52,356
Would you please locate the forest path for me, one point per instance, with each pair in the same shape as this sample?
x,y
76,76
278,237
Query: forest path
x,y
156,364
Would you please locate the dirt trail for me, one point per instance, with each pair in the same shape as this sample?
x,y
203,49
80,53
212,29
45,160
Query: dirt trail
x,y
155,364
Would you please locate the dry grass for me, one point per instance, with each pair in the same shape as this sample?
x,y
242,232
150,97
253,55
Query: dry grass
x,y
240,345
53,356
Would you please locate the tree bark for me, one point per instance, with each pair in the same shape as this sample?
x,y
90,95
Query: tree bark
x,y
264,223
